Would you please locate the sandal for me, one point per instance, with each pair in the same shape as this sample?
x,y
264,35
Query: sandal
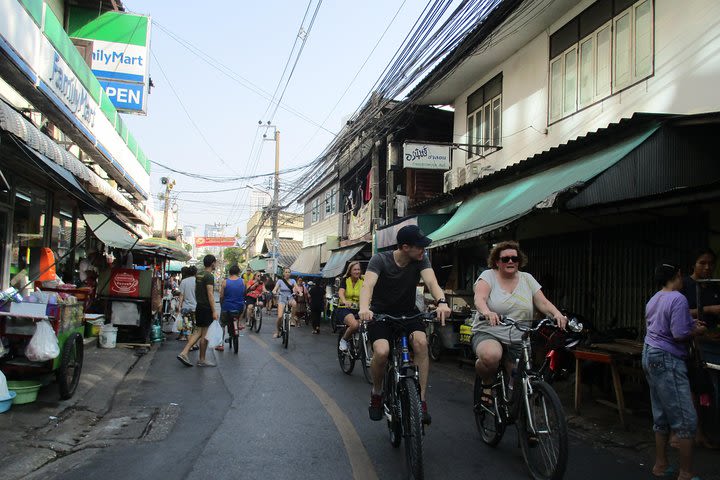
x,y
486,397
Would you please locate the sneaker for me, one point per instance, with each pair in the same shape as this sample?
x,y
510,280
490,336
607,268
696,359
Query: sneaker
x,y
184,360
376,407
343,346
206,363
426,418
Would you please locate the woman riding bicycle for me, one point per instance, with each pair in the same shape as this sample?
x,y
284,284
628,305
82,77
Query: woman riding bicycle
x,y
284,291
349,294
504,290
253,290
232,298
300,294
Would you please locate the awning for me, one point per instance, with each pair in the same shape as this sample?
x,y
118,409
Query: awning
x,y
492,209
308,262
109,231
164,247
338,258
258,264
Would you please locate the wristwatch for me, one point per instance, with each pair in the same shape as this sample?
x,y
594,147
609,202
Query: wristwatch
x,y
442,300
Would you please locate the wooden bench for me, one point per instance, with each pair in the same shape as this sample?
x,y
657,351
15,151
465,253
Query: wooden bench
x,y
607,353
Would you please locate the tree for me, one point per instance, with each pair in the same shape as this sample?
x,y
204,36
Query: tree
x,y
234,255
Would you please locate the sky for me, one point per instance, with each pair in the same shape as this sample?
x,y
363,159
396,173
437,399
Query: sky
x,y
253,40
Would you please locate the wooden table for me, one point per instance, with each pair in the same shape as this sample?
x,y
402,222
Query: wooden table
x,y
607,353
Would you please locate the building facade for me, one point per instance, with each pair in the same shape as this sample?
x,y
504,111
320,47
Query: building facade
x,y
66,155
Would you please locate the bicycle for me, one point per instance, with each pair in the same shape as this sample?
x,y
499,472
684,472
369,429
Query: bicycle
x,y
359,348
234,325
256,318
401,401
529,402
285,326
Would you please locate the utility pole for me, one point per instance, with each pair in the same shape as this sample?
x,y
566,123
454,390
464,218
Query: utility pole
x,y
275,205
169,184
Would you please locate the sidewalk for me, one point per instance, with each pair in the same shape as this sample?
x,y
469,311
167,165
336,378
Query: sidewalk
x,y
37,433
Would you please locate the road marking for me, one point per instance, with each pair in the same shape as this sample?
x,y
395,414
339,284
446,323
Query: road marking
x,y
360,462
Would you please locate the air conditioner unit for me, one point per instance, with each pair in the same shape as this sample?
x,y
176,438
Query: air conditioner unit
x,y
461,177
472,172
449,181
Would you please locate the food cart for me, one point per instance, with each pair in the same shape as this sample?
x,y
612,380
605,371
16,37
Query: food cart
x,y
18,325
133,296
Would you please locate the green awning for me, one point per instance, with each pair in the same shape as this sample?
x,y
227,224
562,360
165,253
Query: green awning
x,y
258,264
492,209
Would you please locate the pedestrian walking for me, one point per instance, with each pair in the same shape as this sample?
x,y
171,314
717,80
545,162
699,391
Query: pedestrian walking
x,y
316,293
205,312
187,302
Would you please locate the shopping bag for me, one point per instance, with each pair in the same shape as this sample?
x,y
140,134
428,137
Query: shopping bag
x,y
43,345
214,335
177,324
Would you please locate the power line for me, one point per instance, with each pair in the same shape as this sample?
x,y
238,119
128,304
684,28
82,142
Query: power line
x,y
235,77
187,113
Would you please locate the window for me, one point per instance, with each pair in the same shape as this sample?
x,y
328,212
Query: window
x,y
331,201
609,33
484,121
315,211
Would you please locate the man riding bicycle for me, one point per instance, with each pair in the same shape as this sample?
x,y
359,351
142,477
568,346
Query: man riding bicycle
x,y
396,274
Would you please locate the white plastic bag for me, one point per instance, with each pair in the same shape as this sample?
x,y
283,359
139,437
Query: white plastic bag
x,y
43,345
177,324
214,335
4,393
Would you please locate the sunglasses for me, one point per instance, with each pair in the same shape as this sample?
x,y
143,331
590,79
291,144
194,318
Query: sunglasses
x,y
514,259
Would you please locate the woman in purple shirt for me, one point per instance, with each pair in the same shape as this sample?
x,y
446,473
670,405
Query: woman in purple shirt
x,y
669,329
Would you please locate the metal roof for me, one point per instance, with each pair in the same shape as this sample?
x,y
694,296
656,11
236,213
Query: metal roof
x,y
288,250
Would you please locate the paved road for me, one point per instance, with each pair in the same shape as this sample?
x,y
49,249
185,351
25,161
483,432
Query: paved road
x,y
273,413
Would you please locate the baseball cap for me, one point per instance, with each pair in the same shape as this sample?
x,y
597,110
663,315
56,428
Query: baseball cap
x,y
412,235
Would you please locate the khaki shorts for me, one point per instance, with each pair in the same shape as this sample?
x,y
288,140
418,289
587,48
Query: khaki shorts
x,y
514,350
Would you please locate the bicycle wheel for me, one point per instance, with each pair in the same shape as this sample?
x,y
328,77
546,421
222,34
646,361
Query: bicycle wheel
x,y
365,360
412,426
286,330
393,408
543,434
346,359
488,423
258,319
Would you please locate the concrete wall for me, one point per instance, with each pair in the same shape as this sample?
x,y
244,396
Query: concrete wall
x,y
686,72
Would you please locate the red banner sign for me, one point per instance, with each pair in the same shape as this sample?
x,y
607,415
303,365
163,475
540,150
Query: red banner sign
x,y
214,241
125,282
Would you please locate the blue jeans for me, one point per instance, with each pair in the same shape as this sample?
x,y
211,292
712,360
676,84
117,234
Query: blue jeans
x,y
672,404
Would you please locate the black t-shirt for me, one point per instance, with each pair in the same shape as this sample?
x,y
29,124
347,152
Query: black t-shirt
x,y
394,292
709,295
317,297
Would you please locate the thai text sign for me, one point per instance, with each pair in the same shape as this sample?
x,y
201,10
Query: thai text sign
x,y
125,282
215,241
426,156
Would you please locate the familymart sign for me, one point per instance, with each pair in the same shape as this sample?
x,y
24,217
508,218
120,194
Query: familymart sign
x,y
120,49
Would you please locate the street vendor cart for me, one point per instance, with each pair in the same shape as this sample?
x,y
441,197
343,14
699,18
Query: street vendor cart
x,y
18,325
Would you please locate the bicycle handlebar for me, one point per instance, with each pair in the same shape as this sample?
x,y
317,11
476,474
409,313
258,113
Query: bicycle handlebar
x,y
425,316
573,324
